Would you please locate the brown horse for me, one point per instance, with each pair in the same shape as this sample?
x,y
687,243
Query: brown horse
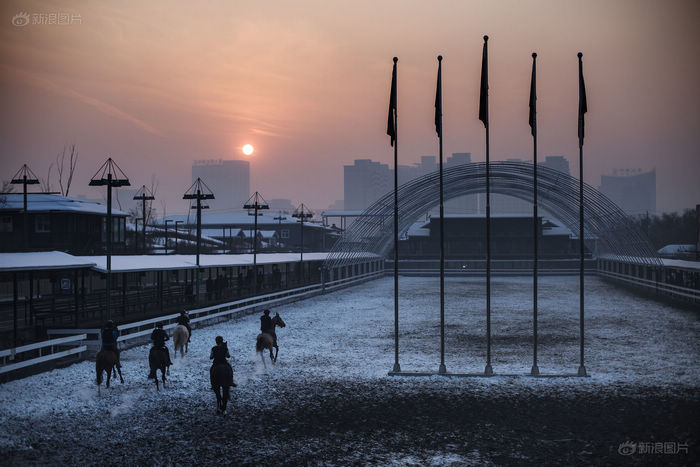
x,y
267,341
221,380
157,360
106,361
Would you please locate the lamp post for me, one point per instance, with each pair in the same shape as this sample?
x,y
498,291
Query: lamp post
x,y
136,234
25,176
166,234
177,222
110,175
144,195
279,220
256,203
301,213
199,191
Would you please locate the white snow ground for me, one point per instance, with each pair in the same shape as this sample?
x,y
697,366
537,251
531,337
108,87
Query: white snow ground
x,y
343,341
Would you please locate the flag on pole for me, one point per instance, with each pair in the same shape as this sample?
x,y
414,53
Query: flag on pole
x,y
438,100
391,123
484,95
582,105
533,99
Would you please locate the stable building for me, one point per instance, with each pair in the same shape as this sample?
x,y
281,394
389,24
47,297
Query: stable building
x,y
58,223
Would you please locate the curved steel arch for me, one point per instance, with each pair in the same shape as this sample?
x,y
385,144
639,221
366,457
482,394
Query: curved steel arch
x,y
557,192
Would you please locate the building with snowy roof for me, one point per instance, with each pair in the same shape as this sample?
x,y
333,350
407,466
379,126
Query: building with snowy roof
x,y
59,223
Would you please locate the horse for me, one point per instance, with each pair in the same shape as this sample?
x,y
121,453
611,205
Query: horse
x,y
266,341
180,337
106,361
221,379
157,360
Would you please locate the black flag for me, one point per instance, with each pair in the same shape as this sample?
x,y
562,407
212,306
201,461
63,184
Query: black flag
x,y
438,100
533,99
582,105
484,95
391,123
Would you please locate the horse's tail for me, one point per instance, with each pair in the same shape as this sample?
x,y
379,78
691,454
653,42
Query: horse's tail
x,y
98,371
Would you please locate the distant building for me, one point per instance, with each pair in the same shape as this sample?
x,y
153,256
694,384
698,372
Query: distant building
x,y
631,189
365,182
468,204
59,223
559,163
229,180
280,204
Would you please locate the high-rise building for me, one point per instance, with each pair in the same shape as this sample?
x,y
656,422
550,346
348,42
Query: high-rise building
x,y
559,163
365,182
228,179
631,189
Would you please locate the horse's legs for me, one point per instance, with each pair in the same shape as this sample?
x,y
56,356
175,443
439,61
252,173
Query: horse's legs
x,y
109,376
277,350
119,369
218,399
163,373
272,357
263,359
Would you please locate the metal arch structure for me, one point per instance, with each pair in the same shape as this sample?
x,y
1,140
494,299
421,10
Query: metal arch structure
x,y
607,229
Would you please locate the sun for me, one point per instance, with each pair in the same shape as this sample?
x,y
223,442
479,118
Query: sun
x,y
248,149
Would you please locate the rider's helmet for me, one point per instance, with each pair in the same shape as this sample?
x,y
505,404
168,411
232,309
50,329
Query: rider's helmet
x,y
219,340
183,312
266,312
159,325
110,324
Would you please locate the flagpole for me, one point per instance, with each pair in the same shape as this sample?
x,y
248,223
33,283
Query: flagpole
x,y
582,109
442,369
397,367
484,116
535,371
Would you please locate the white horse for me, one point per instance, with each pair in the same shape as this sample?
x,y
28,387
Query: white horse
x,y
180,337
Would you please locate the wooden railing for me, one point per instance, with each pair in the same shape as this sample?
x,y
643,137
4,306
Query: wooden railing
x,y
9,355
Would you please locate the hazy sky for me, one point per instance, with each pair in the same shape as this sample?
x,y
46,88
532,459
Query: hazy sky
x,y
158,84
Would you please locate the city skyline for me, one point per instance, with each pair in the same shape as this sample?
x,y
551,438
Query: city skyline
x,y
307,85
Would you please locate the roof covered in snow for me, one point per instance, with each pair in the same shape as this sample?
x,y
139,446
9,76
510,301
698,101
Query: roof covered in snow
x,y
676,249
34,261
42,202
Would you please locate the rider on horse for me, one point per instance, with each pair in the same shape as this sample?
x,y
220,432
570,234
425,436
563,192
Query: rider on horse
x,y
219,353
267,327
109,335
184,319
159,336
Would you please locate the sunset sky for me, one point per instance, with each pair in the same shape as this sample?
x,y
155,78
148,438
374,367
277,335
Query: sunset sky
x,y
159,84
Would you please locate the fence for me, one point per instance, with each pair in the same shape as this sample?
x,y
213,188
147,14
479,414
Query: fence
x,y
12,354
657,287
138,332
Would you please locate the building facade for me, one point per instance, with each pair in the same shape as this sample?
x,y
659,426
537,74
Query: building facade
x,y
229,180
631,189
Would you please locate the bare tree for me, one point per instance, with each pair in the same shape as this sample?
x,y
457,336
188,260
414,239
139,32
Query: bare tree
x,y
7,187
150,212
46,182
60,166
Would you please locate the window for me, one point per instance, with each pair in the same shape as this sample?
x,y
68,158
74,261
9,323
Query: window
x,y
284,233
5,223
42,223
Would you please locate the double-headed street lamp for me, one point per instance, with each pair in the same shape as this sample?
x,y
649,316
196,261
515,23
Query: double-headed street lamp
x,y
110,175
143,196
302,213
166,234
199,191
256,203
177,222
25,176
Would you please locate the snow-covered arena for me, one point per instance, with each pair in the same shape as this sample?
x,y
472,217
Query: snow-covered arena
x,y
329,399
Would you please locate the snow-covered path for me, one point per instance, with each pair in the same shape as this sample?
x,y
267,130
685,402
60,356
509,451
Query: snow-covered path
x,y
329,398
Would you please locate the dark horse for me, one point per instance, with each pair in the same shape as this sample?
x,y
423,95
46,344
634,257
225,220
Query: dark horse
x,y
221,379
106,361
157,360
266,341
